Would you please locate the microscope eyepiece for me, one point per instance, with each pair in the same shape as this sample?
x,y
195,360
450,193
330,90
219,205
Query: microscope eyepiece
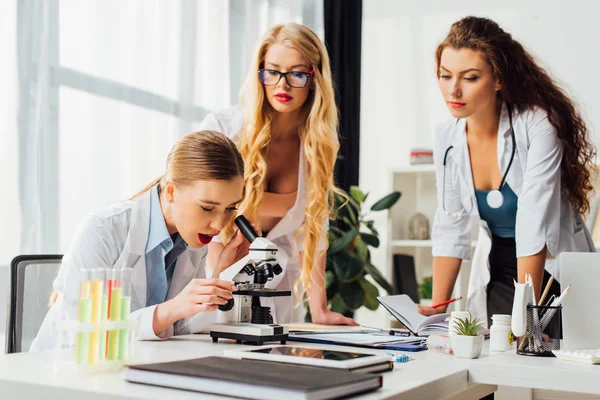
x,y
246,228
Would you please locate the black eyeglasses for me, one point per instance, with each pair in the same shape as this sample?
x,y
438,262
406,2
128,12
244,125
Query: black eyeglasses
x,y
296,79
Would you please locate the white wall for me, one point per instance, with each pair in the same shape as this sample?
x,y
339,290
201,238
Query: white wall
x,y
400,101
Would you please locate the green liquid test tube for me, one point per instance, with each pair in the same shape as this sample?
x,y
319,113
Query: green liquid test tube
x,y
104,317
124,333
83,338
115,315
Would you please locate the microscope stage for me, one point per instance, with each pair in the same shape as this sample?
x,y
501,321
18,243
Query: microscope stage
x,y
252,333
262,293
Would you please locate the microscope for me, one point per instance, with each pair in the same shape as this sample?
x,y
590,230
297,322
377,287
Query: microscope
x,y
243,318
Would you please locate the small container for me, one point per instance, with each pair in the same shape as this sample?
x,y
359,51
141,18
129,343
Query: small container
x,y
543,333
454,315
103,335
501,337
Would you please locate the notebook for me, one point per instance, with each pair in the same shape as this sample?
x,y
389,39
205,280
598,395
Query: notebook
x,y
406,311
253,379
369,340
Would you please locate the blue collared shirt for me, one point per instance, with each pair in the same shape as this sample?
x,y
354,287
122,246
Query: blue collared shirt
x,y
162,251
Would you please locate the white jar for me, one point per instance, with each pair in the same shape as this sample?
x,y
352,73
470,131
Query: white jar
x,y
501,337
454,315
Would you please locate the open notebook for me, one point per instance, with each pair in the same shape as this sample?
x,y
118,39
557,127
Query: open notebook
x,y
405,310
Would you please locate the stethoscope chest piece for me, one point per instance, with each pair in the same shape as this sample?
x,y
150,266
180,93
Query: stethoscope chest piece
x,y
495,199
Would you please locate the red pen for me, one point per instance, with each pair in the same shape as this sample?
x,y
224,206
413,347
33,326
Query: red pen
x,y
446,302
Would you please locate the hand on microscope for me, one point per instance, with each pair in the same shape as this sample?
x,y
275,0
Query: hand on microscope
x,y
236,249
200,295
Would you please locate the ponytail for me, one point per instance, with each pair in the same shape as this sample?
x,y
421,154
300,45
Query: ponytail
x,y
150,186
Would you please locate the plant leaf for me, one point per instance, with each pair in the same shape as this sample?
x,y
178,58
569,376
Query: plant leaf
x,y
352,294
348,267
329,279
377,277
370,239
371,293
468,326
337,305
352,214
357,194
370,225
361,249
386,202
343,241
335,229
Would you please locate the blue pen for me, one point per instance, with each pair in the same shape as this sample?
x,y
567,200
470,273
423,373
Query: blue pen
x,y
399,358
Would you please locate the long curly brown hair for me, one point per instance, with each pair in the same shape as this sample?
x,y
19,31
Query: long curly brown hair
x,y
526,85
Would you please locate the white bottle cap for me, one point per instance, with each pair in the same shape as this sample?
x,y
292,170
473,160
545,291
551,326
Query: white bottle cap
x,y
501,318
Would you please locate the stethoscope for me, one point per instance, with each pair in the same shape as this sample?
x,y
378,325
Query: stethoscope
x,y
494,198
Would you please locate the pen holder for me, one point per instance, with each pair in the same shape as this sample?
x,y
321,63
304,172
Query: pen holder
x,y
543,331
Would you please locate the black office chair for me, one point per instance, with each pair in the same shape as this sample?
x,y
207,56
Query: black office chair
x,y
31,279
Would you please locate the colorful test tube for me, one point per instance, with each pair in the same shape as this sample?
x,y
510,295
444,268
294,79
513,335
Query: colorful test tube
x,y
125,279
84,314
114,314
97,285
111,282
104,317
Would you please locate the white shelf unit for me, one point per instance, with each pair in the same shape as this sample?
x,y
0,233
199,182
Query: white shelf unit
x,y
419,195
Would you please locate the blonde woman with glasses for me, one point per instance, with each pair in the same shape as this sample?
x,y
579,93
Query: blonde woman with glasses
x,y
286,131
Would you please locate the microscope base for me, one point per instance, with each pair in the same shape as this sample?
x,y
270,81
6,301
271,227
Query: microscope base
x,y
256,334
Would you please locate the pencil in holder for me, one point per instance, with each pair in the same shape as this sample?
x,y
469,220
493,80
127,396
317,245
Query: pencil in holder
x,y
543,333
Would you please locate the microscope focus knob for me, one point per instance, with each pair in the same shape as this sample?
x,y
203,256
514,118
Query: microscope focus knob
x,y
277,269
227,306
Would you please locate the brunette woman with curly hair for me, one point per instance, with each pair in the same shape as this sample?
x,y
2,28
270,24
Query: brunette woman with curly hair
x,y
516,157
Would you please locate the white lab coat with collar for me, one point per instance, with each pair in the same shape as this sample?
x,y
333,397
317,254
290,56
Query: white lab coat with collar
x,y
116,238
283,309
545,216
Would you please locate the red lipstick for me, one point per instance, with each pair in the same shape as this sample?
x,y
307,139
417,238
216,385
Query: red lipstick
x,y
283,97
205,239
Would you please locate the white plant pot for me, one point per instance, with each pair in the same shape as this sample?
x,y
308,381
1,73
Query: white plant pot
x,y
467,346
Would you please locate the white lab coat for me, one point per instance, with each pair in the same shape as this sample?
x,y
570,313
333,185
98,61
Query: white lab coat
x,y
545,216
283,309
116,238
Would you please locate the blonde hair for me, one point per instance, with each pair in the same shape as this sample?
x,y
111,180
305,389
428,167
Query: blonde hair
x,y
318,134
200,155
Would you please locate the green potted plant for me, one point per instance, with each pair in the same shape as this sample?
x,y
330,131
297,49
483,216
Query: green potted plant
x,y
426,291
466,340
351,234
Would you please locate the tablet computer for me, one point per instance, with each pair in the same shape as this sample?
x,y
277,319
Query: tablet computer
x,y
348,360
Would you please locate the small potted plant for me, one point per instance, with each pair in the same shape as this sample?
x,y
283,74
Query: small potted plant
x,y
466,341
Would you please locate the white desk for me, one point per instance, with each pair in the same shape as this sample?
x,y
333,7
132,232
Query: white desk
x,y
36,375
428,376
510,369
